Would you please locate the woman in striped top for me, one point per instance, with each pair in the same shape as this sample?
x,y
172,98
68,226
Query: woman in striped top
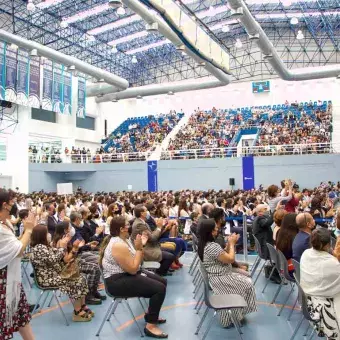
x,y
217,261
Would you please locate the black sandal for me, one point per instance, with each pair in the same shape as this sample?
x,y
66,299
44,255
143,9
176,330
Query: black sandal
x,y
160,321
157,336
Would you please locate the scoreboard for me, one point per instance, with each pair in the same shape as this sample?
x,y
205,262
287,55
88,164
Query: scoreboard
x,y
261,86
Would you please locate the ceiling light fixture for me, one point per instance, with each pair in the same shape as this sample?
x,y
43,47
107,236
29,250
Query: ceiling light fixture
x,y
300,35
121,11
170,93
294,21
134,60
238,43
225,29
30,6
114,49
211,12
139,97
63,24
34,52
115,3
91,38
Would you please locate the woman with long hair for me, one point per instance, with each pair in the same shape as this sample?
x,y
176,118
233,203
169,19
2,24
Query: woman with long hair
x,y
217,261
285,238
14,309
274,196
48,263
121,261
278,217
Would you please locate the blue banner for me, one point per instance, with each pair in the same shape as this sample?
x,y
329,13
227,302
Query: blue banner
x,y
67,93
58,88
34,82
2,70
81,111
152,176
11,75
248,173
47,85
23,77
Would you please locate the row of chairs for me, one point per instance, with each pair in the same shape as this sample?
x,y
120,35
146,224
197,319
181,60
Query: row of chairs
x,y
230,302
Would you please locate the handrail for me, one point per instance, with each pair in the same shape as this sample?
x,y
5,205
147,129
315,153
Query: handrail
x,y
267,150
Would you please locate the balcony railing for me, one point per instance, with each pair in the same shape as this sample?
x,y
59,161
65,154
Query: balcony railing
x,y
270,150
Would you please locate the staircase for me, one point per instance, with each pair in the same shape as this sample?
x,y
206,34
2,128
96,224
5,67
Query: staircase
x,y
156,155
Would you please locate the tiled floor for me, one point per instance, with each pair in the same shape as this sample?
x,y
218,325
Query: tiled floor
x,y
178,309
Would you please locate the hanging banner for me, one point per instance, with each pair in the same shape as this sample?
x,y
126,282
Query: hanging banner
x,y
47,85
81,98
58,88
2,70
22,81
11,75
67,93
34,83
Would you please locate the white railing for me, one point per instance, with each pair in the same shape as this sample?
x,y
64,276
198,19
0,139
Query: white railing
x,y
89,158
270,150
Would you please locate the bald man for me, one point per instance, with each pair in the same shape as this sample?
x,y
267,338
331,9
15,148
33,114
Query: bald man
x,y
206,209
306,224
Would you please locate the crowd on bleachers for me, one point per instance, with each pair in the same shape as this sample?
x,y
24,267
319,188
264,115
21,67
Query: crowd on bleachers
x,y
129,227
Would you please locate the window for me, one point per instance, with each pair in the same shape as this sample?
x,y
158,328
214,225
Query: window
x,y
44,115
3,153
88,123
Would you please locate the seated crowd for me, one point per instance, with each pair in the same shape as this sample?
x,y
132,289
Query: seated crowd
x,y
74,239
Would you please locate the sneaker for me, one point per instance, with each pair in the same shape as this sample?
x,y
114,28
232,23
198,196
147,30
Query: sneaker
x,y
174,266
91,300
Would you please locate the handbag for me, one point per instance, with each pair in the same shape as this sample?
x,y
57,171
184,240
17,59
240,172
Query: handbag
x,y
71,270
169,246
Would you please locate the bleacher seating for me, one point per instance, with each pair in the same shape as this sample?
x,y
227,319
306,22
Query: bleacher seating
x,y
139,134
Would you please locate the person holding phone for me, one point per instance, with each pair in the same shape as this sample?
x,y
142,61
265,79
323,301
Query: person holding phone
x,y
121,262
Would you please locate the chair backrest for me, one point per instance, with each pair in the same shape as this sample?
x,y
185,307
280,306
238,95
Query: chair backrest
x,y
333,242
206,283
194,242
284,265
296,265
274,257
303,301
102,275
258,248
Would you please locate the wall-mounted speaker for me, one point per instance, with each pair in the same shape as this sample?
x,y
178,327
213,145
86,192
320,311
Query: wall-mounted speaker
x,y
232,181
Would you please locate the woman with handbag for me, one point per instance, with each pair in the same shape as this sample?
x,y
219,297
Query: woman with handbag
x,y
55,267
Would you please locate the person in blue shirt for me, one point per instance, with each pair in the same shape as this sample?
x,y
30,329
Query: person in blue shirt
x,y
306,224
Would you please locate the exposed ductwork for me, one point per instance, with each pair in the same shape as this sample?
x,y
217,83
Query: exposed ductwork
x,y
150,90
156,89
64,59
253,28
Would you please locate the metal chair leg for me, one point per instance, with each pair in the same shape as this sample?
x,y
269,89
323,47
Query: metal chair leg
x,y
209,326
199,285
291,312
306,331
131,312
202,320
37,303
142,305
108,313
277,291
270,276
199,300
46,297
61,308
255,265
49,304
116,303
196,277
258,275
235,322
290,293
297,328
193,263
200,306
312,334
26,275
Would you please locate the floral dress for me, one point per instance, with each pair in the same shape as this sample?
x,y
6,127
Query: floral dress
x,y
22,316
48,264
